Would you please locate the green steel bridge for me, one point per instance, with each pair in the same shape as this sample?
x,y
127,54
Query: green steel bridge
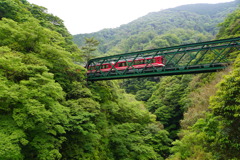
x,y
193,58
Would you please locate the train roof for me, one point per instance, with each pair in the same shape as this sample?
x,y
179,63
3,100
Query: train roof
x,y
139,58
128,60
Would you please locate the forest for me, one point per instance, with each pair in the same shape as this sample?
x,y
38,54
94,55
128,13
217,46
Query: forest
x,y
49,111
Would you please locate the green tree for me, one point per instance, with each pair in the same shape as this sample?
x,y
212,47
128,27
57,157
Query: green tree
x,y
216,135
230,27
166,105
226,105
89,47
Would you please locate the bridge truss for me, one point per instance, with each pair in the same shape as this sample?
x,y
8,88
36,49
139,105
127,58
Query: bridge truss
x,y
193,58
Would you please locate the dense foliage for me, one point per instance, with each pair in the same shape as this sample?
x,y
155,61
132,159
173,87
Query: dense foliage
x,y
49,111
215,133
202,128
180,25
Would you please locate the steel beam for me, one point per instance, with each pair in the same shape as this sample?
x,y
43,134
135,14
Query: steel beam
x,y
192,58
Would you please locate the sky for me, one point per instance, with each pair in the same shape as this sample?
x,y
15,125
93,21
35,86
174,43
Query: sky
x,y
87,16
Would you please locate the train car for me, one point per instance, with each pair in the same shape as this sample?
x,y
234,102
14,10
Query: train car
x,y
138,63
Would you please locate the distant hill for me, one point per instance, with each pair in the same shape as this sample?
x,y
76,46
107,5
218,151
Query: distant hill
x,y
208,9
190,23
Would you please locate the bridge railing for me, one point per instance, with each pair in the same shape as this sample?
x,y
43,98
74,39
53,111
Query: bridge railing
x,y
190,58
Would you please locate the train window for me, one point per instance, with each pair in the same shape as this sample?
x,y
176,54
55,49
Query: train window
x,y
153,60
103,66
137,62
122,64
140,62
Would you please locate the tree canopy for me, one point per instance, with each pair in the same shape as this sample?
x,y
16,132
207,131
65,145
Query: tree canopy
x,y
49,111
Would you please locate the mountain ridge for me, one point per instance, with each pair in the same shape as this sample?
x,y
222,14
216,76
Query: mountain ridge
x,y
192,16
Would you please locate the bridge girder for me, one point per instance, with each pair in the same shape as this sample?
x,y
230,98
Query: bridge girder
x,y
192,58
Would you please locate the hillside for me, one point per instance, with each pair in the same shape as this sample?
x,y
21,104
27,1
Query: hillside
x,y
49,111
199,116
199,20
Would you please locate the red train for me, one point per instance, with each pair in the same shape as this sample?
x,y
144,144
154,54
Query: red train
x,y
138,63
